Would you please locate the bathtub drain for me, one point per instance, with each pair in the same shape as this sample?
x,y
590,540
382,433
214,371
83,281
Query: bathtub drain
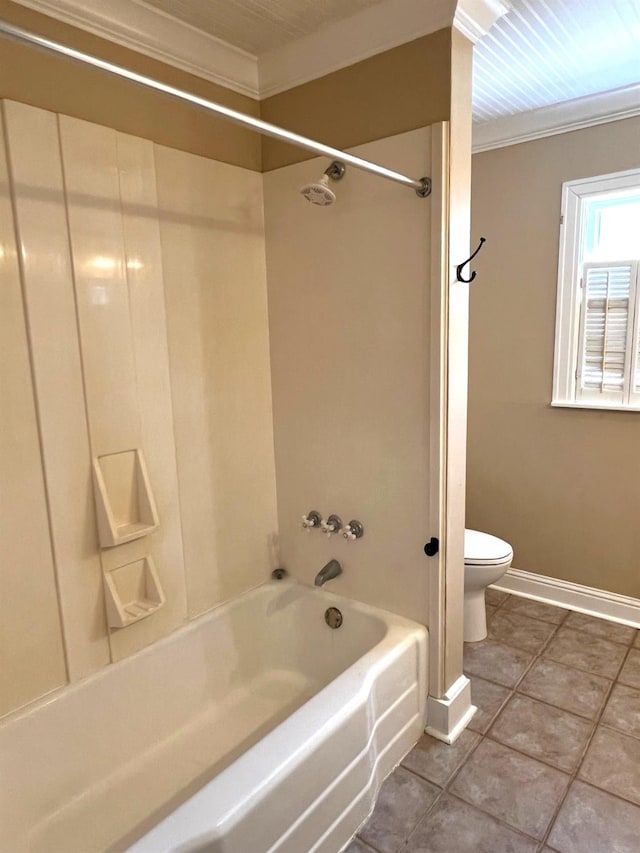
x,y
333,617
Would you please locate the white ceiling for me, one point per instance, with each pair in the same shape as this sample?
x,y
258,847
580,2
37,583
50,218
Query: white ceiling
x,y
546,66
543,52
259,26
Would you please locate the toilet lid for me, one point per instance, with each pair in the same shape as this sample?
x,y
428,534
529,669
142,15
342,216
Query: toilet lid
x,y
482,548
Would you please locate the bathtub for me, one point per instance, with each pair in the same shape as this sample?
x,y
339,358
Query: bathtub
x,y
255,728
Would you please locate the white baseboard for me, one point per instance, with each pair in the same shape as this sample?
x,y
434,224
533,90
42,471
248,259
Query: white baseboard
x,y
574,596
447,718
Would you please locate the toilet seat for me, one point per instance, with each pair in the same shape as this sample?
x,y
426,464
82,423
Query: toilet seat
x,y
483,549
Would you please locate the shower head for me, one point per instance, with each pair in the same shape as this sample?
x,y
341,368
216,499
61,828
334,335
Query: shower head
x,y
319,192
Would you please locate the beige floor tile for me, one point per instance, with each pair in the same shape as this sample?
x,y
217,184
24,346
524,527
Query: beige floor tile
x,y
612,762
490,610
402,801
521,791
585,651
489,699
496,662
591,820
536,609
437,761
495,597
601,628
623,711
630,673
636,642
358,846
453,826
519,631
541,731
570,689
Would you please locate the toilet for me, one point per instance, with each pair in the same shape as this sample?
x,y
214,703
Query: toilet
x,y
486,559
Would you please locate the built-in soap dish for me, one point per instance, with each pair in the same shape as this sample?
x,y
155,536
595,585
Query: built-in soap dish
x,y
133,592
125,506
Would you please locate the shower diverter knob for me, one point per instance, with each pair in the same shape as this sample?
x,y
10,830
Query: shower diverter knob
x,y
353,530
331,525
311,520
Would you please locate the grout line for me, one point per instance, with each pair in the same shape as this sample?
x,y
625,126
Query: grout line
x,y
595,721
588,743
512,691
499,820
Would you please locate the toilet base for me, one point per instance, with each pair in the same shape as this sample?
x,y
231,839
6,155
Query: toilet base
x,y
475,616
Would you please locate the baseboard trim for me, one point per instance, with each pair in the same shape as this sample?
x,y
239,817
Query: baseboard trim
x,y
447,718
574,596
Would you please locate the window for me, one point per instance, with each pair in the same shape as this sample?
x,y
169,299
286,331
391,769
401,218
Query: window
x,y
597,350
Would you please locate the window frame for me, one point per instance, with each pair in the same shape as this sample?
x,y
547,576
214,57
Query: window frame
x,y
569,298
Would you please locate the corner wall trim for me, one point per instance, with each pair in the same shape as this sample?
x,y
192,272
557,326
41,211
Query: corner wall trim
x,y
576,114
448,717
584,599
474,18
151,32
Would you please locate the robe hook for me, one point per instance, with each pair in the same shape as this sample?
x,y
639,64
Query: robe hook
x,y
468,261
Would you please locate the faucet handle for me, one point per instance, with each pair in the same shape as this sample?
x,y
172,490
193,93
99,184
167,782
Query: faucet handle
x,y
332,525
311,520
353,530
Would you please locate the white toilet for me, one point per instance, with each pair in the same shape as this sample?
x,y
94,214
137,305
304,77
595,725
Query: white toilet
x,y
486,559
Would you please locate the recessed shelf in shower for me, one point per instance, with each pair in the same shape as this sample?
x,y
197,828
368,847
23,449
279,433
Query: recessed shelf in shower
x,y
124,502
133,592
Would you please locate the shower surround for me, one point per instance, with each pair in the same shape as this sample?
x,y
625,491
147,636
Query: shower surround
x,y
139,317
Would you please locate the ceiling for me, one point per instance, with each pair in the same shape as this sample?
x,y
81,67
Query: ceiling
x,y
546,66
543,52
259,26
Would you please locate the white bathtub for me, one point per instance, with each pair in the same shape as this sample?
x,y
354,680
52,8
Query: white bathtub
x,y
256,728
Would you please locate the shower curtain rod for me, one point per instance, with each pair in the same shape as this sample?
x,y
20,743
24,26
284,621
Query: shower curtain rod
x,y
422,186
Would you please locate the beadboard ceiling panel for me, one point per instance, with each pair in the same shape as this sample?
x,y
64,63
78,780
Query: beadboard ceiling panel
x,y
259,26
544,52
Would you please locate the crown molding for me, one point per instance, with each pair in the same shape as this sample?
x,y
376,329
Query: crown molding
x,y
147,30
133,24
575,114
342,43
474,18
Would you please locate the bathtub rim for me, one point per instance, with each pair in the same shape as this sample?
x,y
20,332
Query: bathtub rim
x,y
193,625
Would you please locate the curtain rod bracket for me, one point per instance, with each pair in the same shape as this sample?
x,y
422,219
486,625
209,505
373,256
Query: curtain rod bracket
x,y
424,189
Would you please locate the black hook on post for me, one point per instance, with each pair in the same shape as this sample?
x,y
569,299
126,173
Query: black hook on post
x,y
468,261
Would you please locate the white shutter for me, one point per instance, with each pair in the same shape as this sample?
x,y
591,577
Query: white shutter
x,y
607,321
634,395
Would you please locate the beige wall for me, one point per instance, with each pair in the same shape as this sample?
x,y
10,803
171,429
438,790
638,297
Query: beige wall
x,y
562,485
349,324
61,85
398,90
135,317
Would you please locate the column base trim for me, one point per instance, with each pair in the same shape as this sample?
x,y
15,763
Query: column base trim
x,y
448,717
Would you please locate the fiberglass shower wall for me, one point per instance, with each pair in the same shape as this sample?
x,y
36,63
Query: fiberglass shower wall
x,y
134,317
349,310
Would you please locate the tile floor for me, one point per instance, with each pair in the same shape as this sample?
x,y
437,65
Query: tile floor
x,y
551,760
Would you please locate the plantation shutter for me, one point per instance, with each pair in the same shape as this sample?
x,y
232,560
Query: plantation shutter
x,y
608,332
634,395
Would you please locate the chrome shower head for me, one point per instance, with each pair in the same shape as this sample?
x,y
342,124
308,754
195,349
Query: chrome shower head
x,y
319,192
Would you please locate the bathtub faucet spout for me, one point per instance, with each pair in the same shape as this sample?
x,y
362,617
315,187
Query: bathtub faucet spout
x,y
328,572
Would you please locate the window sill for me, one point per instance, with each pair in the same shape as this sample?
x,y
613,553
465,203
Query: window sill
x,y
602,407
